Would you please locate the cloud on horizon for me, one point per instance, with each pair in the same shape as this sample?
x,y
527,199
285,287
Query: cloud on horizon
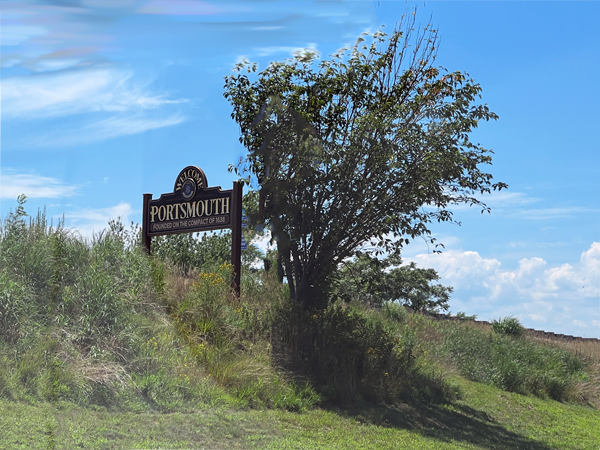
x,y
565,298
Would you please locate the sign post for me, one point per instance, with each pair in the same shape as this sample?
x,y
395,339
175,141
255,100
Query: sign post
x,y
194,207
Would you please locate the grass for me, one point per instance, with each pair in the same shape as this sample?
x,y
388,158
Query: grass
x,y
485,418
102,347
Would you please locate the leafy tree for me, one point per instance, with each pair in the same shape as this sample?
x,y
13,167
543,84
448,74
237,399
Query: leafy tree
x,y
371,145
375,280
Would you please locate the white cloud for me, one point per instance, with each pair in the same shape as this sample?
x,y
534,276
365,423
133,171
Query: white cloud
x,y
13,184
76,92
88,222
538,317
513,205
268,51
105,129
263,242
560,297
552,213
107,102
500,199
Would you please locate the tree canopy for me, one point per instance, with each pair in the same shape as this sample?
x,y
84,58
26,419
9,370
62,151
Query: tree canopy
x,y
369,279
367,147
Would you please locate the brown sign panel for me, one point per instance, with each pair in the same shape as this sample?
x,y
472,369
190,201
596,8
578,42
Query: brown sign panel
x,y
208,209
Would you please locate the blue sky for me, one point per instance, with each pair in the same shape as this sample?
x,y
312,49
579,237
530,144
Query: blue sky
x,y
103,100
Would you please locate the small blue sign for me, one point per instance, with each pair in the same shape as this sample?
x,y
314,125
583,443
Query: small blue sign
x,y
244,245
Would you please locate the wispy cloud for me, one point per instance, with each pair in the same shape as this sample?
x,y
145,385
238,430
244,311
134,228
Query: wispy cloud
x,y
13,184
504,199
179,7
268,51
17,34
514,205
106,102
267,28
76,92
553,213
110,128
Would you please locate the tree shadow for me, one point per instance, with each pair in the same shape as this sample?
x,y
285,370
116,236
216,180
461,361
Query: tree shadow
x,y
444,422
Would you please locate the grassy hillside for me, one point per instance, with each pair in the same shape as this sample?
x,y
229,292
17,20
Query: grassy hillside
x,y
104,347
485,418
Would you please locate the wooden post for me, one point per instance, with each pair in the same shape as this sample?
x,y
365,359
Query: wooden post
x,y
236,236
146,240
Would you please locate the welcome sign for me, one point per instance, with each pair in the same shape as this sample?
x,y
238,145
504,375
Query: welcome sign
x,y
194,207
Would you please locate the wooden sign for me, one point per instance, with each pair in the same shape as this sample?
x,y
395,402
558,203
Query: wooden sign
x,y
193,207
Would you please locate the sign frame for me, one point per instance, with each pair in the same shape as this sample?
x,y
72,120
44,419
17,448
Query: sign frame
x,y
194,207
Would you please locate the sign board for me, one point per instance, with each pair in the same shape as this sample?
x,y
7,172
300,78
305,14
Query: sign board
x,y
194,206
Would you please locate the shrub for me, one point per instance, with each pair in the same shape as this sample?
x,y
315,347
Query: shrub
x,y
509,326
351,352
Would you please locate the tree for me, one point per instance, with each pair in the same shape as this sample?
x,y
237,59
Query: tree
x,y
374,280
369,146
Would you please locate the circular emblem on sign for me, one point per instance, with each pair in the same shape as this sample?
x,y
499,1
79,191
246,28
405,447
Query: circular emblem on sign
x,y
188,188
190,180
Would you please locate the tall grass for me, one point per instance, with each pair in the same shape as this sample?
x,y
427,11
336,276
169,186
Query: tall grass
x,y
101,324
514,364
76,318
231,337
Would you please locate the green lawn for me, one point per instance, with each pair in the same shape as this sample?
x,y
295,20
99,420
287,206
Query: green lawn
x,y
485,418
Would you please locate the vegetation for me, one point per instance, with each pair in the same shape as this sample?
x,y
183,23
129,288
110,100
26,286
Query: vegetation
x,y
509,326
374,280
515,365
485,418
348,151
104,347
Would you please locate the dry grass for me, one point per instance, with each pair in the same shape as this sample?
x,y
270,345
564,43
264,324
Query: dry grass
x,y
589,391
588,348
179,285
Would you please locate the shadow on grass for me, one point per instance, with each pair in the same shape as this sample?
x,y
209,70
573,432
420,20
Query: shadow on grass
x,y
442,421
451,422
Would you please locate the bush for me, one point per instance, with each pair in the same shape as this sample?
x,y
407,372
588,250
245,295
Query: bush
x,y
351,352
509,326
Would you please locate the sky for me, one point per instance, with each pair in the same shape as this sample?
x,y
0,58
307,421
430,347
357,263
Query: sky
x,y
104,100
